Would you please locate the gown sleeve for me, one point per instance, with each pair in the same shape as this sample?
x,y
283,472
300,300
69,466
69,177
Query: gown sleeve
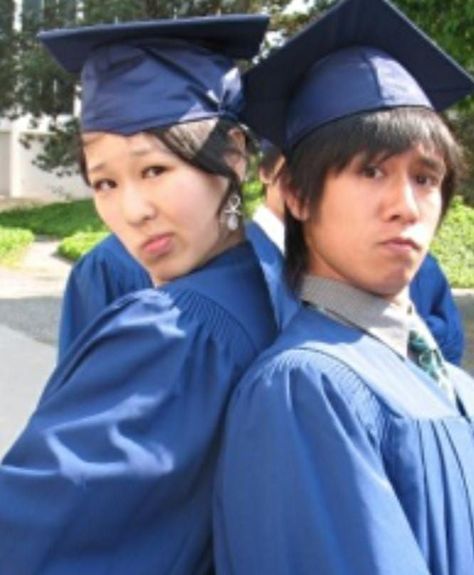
x,y
124,433
104,274
431,293
301,487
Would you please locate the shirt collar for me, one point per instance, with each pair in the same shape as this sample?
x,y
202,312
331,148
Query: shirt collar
x,y
386,321
271,225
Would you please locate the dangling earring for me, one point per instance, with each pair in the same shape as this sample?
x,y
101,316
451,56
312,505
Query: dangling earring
x,y
231,212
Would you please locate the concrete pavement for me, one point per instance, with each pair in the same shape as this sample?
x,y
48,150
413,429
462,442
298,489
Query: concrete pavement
x,y
24,369
30,299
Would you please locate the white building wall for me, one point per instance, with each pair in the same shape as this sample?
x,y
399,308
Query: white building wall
x,y
4,164
20,178
32,182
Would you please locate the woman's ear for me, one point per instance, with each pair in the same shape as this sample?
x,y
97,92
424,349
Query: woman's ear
x,y
238,159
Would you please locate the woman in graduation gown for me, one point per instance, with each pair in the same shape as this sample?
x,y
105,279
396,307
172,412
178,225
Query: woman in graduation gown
x,y
114,470
349,444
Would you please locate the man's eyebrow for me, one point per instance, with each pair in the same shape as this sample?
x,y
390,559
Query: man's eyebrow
x,y
433,163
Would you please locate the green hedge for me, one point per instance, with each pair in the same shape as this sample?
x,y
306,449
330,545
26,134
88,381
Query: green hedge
x,y
12,243
454,245
253,195
78,244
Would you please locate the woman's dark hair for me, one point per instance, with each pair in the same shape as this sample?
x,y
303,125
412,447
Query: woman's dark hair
x,y
204,144
333,146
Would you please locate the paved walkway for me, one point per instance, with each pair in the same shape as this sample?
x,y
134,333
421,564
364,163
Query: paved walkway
x,y
30,299
24,369
30,295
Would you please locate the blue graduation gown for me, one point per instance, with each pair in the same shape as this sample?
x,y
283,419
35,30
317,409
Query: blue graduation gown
x,y
433,299
100,277
108,272
341,458
114,471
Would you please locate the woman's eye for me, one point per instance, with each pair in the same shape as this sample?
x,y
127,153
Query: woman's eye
x,y
153,171
102,185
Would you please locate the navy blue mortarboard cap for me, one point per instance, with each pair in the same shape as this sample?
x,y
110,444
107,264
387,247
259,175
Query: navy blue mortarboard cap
x,y
362,55
141,75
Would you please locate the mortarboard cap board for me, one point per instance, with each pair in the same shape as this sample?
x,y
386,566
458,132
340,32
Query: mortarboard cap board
x,y
141,75
362,55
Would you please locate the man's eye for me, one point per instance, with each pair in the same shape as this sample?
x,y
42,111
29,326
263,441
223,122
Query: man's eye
x,y
427,180
153,171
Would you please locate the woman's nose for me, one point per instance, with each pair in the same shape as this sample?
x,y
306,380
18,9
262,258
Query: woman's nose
x,y
136,206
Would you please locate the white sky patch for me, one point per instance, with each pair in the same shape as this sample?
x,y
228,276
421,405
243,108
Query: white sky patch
x,y
297,6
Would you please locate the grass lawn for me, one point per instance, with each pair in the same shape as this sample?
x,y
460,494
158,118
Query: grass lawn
x,y
79,228
59,220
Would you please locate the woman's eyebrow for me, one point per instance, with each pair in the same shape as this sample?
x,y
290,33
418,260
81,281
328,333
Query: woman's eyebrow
x,y
135,152
97,168
150,149
139,152
143,151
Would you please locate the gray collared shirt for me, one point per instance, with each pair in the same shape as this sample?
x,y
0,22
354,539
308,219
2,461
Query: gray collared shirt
x,y
386,321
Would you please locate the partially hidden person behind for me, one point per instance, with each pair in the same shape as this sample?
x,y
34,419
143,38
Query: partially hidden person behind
x,y
434,301
349,443
114,470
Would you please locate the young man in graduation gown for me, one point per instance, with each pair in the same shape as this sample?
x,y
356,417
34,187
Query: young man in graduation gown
x,y
349,445
430,291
